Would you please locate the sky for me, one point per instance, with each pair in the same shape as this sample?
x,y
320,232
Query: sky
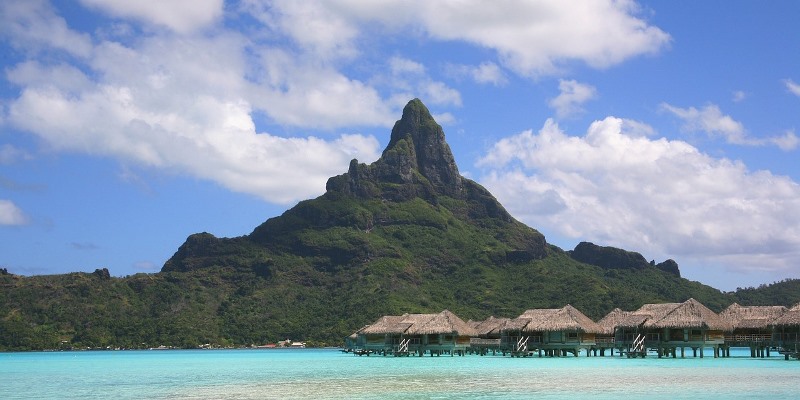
x,y
665,128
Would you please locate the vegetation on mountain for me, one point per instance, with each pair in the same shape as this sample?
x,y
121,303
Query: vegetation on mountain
x,y
406,233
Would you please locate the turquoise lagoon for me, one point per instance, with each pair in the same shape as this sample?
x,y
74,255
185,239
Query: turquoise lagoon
x,y
331,374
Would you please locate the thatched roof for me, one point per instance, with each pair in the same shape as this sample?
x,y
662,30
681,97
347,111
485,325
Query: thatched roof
x,y
567,318
388,324
489,326
690,314
790,318
612,320
420,324
443,322
632,320
515,324
355,334
751,317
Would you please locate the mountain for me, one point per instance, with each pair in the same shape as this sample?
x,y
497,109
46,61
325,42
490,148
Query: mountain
x,y
610,257
406,233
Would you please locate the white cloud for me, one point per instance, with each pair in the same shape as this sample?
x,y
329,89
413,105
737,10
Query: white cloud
x,y
400,65
659,197
739,96
444,118
439,93
212,139
10,154
531,37
489,72
32,27
325,29
539,37
712,121
793,87
485,73
787,142
310,96
412,79
10,214
572,95
709,119
179,15
185,104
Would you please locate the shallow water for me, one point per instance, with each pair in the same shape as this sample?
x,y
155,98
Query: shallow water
x,y
311,373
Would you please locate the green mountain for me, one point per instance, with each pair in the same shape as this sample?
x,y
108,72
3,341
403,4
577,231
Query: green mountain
x,y
406,233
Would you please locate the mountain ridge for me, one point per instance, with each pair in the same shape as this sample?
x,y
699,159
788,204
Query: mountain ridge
x,y
406,233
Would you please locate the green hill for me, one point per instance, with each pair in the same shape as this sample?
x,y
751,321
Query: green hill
x,y
406,233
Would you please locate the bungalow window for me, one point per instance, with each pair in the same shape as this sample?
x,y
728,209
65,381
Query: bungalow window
x,y
556,337
572,336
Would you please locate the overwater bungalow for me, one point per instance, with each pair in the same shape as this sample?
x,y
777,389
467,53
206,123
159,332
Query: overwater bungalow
x,y
670,326
488,335
787,332
355,342
554,332
751,326
606,339
436,334
383,336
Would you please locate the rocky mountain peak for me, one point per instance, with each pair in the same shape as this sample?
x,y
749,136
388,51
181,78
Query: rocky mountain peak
x,y
417,154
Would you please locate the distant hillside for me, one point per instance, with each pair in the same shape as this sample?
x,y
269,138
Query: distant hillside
x,y
783,293
406,233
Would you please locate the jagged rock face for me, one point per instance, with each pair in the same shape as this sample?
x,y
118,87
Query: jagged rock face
x,y
669,266
424,149
608,257
417,157
614,258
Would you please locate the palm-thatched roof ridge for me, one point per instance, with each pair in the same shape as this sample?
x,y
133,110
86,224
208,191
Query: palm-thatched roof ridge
x,y
489,326
790,318
567,318
751,317
690,314
388,324
444,322
614,319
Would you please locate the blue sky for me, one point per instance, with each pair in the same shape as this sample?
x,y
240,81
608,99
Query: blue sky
x,y
667,128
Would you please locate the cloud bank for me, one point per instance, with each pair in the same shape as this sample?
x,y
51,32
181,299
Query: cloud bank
x,y
185,94
662,197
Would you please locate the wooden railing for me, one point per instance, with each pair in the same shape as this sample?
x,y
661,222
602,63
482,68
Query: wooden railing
x,y
753,338
484,342
604,340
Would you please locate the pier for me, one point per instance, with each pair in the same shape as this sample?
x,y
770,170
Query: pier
x,y
668,330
